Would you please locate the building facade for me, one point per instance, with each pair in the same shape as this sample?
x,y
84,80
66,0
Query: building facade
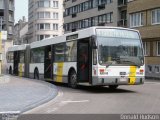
x,y
6,24
45,19
7,17
21,32
81,14
144,15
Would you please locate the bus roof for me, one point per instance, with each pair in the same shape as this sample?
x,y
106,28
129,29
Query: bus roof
x,y
17,47
84,33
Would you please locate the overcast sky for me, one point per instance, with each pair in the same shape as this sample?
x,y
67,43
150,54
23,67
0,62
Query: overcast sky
x,y
21,9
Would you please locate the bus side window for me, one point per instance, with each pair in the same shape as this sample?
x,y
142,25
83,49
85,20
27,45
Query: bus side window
x,y
94,57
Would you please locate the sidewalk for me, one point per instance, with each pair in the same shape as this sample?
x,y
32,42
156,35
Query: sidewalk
x,y
21,94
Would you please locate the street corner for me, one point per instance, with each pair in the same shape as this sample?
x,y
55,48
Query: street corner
x,y
22,94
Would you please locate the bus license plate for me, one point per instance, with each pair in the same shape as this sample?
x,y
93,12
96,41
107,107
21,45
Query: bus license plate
x,y
123,79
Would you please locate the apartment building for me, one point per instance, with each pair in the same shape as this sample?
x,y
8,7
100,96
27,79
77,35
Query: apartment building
x,y
45,19
80,14
6,24
20,32
144,15
7,17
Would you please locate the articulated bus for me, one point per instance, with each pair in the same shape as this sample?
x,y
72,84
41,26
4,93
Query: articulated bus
x,y
96,56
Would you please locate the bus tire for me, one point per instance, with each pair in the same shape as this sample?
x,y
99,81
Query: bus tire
x,y
73,79
113,87
36,74
10,70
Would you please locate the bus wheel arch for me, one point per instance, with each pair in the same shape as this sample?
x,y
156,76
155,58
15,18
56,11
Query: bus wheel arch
x,y
36,73
72,78
10,70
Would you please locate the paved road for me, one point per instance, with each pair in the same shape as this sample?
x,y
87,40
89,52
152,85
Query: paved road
x,y
126,99
20,94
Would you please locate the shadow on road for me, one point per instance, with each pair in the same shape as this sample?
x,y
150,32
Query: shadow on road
x,y
93,89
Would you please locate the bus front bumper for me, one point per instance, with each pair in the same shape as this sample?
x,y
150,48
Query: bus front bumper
x,y
118,81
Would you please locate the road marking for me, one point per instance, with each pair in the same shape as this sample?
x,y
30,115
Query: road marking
x,y
71,101
10,112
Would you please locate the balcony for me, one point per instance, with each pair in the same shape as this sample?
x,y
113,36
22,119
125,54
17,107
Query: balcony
x,y
74,15
101,7
122,23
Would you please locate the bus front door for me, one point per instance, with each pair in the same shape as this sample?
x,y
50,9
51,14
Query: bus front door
x,y
16,62
83,61
48,63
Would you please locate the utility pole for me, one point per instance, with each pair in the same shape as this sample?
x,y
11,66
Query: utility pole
x,y
1,45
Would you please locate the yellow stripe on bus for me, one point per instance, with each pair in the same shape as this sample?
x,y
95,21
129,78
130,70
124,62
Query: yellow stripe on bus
x,y
59,72
132,75
20,70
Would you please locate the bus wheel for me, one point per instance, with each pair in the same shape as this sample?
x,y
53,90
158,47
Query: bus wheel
x,y
36,74
73,79
113,87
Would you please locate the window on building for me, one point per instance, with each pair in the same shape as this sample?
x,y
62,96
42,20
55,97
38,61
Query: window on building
x,y
95,3
102,2
41,37
10,16
47,14
47,26
86,5
158,48
55,4
109,1
41,15
47,36
136,19
43,3
46,3
41,27
146,46
55,26
55,15
10,29
40,3
2,4
156,16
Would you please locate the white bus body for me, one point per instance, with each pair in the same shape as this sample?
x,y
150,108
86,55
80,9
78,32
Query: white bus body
x,y
59,59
